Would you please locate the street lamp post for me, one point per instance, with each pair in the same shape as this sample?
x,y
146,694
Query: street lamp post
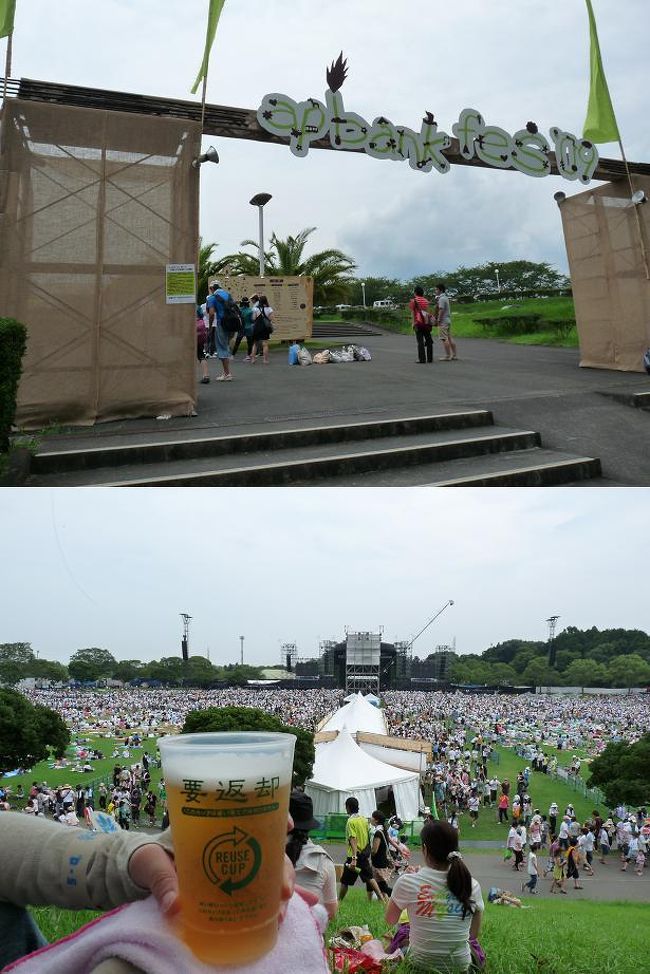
x,y
496,271
260,200
363,291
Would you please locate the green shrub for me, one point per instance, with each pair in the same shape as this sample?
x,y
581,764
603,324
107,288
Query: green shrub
x,y
13,341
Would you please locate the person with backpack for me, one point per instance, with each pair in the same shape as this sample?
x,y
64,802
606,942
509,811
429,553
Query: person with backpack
x,y
246,329
219,300
262,329
422,326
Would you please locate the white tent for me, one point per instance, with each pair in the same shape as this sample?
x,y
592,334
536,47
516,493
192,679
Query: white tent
x,y
369,697
342,770
358,715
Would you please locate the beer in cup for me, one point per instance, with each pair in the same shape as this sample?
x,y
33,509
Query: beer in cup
x,y
228,800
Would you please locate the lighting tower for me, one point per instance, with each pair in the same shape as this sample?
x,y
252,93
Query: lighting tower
x,y
186,634
552,622
241,648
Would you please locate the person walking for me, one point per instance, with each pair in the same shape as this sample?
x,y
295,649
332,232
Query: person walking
x,y
572,861
357,865
532,869
422,326
443,321
379,854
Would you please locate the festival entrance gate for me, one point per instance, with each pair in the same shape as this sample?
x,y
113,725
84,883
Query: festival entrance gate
x,y
99,196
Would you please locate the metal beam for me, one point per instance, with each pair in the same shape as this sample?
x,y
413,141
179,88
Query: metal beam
x,y
235,123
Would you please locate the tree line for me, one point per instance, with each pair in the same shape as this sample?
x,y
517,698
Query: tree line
x,y
583,657
336,280
18,661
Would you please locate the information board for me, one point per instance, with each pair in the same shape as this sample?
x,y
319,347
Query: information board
x,y
292,300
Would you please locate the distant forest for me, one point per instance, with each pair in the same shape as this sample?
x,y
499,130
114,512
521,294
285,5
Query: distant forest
x,y
583,657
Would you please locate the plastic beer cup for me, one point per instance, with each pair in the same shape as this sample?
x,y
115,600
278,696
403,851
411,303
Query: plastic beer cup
x,y
228,801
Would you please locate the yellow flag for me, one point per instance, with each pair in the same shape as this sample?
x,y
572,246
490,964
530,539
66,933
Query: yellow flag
x,y
7,14
216,6
600,124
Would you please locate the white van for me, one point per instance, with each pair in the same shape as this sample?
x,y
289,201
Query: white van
x,y
384,303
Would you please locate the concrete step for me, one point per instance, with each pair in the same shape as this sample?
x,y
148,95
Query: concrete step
x,y
306,464
535,467
638,400
53,461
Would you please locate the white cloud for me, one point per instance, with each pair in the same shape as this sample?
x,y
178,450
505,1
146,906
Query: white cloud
x,y
514,59
115,569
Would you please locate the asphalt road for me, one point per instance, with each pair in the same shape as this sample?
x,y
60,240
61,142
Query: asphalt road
x,y
608,883
526,387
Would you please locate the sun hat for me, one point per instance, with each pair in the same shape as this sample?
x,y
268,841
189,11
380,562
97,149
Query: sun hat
x,y
301,809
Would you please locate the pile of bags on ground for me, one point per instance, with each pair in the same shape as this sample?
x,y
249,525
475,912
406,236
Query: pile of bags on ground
x,y
299,355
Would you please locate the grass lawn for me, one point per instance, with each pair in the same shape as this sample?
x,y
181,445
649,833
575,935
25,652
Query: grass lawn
x,y
552,310
548,938
556,328
101,768
543,790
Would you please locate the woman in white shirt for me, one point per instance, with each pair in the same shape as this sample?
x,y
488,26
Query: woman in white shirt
x,y
443,902
314,868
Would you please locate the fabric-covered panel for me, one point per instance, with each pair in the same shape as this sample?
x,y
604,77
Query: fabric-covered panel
x,y
610,287
94,205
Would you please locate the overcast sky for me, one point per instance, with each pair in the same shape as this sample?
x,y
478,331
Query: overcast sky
x,y
514,60
114,568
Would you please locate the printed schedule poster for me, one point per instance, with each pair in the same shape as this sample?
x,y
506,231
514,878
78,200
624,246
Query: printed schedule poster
x,y
292,300
180,284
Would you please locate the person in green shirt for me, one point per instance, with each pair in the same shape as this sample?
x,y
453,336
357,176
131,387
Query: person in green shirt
x,y
357,865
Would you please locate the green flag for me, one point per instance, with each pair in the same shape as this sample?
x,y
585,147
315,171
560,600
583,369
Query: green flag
x,y
216,6
600,124
7,14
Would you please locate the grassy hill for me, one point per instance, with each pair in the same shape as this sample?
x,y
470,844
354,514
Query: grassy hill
x,y
530,321
548,937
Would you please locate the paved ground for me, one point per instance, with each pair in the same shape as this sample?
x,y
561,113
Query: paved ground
x,y
527,387
609,883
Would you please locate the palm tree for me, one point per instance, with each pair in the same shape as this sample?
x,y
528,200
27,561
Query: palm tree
x,y
330,269
207,268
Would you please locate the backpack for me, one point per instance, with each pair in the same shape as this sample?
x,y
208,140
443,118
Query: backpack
x,y
232,319
426,319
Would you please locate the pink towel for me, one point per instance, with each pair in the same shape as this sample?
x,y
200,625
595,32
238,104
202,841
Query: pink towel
x,y
138,934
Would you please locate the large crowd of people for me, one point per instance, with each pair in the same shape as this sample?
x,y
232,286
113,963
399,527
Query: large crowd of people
x,y
538,843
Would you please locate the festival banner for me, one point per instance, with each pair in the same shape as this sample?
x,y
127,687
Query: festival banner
x,y
7,14
600,124
216,6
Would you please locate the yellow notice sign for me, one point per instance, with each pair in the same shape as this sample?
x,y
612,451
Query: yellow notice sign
x,y
180,284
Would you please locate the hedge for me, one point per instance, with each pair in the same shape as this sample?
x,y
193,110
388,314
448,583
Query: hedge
x,y
13,341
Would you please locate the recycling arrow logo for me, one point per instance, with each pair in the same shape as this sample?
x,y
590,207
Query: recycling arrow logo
x,y
232,860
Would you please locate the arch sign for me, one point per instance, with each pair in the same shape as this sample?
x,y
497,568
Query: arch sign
x,y
305,122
